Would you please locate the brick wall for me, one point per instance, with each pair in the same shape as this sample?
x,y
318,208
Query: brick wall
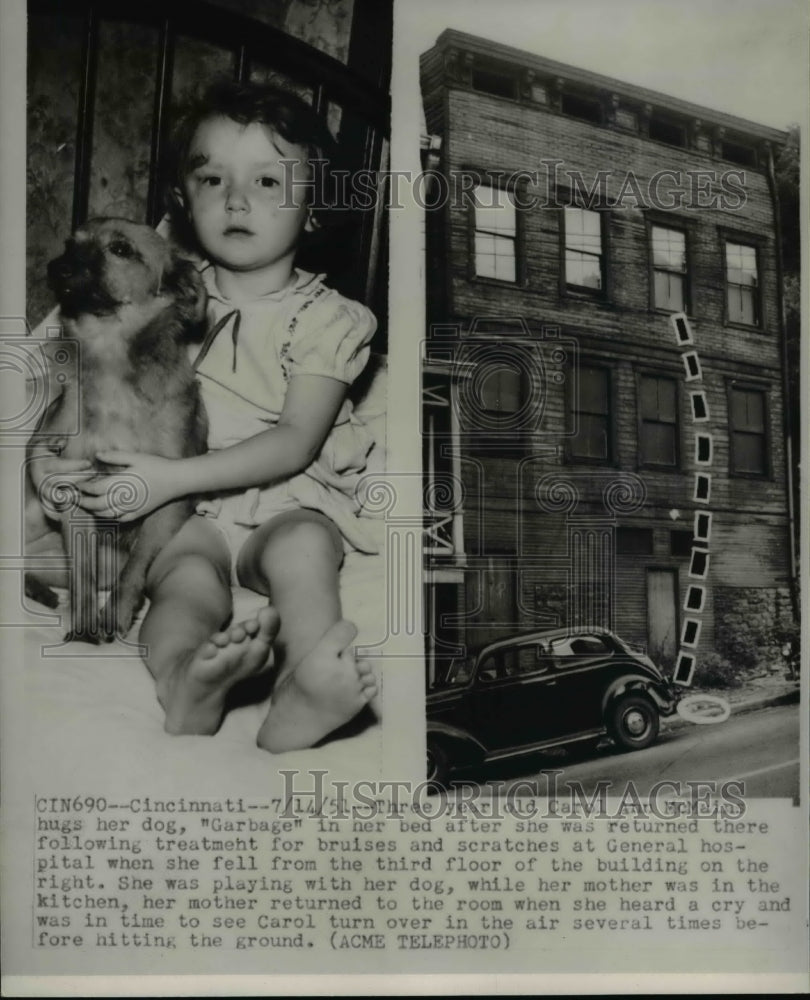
x,y
485,133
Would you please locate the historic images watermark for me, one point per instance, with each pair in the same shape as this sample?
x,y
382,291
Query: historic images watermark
x,y
551,185
545,796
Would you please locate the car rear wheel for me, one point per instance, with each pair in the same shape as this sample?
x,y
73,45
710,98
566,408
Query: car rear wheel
x,y
438,765
634,722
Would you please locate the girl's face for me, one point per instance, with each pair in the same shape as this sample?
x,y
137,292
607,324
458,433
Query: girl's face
x,y
248,208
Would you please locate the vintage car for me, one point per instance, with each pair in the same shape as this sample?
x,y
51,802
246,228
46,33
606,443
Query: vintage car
x,y
548,689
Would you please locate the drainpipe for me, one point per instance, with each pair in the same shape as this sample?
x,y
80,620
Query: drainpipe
x,y
785,381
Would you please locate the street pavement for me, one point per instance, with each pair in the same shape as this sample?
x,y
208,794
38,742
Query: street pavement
x,y
759,747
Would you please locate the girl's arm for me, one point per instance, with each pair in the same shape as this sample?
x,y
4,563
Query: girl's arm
x,y
311,406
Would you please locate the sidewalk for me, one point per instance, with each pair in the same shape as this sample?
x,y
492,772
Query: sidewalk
x,y
762,691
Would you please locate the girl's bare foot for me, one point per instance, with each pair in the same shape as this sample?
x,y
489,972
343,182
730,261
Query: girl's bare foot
x,y
193,693
327,688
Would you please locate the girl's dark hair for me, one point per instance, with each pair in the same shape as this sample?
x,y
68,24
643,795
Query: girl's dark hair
x,y
247,103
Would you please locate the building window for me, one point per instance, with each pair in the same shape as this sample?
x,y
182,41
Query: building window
x,y
669,269
664,130
584,251
634,541
590,411
748,432
502,389
658,421
680,543
494,80
495,234
738,152
588,109
742,284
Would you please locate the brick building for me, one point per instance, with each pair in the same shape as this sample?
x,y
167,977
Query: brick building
x,y
604,378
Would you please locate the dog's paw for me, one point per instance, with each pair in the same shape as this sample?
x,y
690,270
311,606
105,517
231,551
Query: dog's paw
x,y
40,592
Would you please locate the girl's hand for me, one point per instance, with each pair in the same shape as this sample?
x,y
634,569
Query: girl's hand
x,y
55,478
145,483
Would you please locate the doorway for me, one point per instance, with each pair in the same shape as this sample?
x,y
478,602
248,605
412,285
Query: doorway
x,y
662,614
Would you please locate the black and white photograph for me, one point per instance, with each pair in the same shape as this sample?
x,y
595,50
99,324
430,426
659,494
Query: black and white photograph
x,y
404,536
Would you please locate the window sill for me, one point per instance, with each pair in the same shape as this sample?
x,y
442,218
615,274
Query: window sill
x,y
652,467
747,327
586,298
582,291
757,477
658,311
480,279
485,444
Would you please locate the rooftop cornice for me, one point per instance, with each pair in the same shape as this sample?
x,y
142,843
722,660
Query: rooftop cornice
x,y
549,68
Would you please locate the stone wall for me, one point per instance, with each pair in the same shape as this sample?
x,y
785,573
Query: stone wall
x,y
745,619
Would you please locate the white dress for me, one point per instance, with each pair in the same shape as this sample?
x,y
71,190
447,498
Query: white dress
x,y
259,344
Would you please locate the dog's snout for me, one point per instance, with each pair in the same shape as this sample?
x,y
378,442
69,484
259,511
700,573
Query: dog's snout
x,y
79,258
77,278
60,268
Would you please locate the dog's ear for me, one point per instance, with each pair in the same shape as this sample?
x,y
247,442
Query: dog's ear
x,y
183,282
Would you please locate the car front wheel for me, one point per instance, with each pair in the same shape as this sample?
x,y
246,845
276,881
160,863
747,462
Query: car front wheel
x,y
634,722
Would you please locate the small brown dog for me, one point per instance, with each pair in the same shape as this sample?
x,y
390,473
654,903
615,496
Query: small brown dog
x,y
131,304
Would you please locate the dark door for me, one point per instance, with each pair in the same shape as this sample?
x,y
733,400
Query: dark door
x,y
581,664
510,700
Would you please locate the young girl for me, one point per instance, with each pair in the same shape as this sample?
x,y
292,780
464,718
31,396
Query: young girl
x,y
285,449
